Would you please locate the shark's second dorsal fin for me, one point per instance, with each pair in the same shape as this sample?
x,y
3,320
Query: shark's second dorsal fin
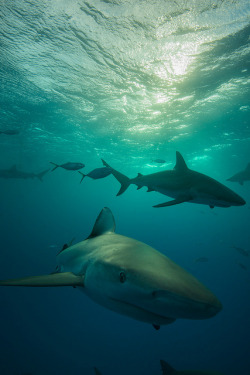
x,y
180,165
105,223
167,369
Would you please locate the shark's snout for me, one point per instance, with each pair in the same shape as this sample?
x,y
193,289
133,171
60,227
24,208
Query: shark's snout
x,y
240,201
181,305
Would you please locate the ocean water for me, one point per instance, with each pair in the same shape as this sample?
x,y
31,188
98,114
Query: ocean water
x,y
130,82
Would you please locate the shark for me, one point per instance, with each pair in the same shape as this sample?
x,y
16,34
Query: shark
x,y
128,277
13,172
167,369
242,176
182,184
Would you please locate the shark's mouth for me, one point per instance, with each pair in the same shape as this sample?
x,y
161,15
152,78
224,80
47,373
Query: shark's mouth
x,y
139,313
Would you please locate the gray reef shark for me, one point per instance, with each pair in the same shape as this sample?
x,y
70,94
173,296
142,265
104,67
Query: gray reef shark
x,y
167,369
13,172
182,184
242,176
128,277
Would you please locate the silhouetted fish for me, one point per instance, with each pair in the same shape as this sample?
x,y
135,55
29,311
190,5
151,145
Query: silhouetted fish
x,y
160,161
97,173
242,251
9,132
69,166
13,172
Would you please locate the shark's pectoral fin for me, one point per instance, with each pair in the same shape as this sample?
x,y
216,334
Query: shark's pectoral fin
x,y
175,201
55,279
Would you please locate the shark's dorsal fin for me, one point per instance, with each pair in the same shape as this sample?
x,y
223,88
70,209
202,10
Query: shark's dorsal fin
x,y
166,368
139,175
105,223
180,165
13,168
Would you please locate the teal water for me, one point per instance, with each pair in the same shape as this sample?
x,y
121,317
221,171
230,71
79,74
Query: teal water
x,y
129,82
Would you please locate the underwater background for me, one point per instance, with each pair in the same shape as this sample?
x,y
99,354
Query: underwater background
x,y
130,82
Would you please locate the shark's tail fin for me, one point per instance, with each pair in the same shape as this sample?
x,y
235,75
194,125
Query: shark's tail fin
x,y
40,175
56,166
124,180
83,175
167,369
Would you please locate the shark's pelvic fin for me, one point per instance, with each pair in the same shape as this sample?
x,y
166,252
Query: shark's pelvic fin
x,y
104,223
173,202
55,279
124,180
180,165
166,368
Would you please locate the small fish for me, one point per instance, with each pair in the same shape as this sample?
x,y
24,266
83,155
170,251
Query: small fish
x,y
9,132
201,259
160,161
69,166
97,173
242,251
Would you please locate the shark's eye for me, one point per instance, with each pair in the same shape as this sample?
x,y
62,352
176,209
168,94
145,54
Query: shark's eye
x,y
122,277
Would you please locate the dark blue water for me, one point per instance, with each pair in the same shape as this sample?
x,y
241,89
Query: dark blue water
x,y
128,82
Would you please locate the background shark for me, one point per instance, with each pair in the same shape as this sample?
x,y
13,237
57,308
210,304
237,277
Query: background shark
x,y
13,172
128,277
182,184
167,369
242,176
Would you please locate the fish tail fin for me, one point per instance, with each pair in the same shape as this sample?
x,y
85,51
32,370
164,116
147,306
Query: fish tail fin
x,y
40,175
56,166
83,175
124,180
167,369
